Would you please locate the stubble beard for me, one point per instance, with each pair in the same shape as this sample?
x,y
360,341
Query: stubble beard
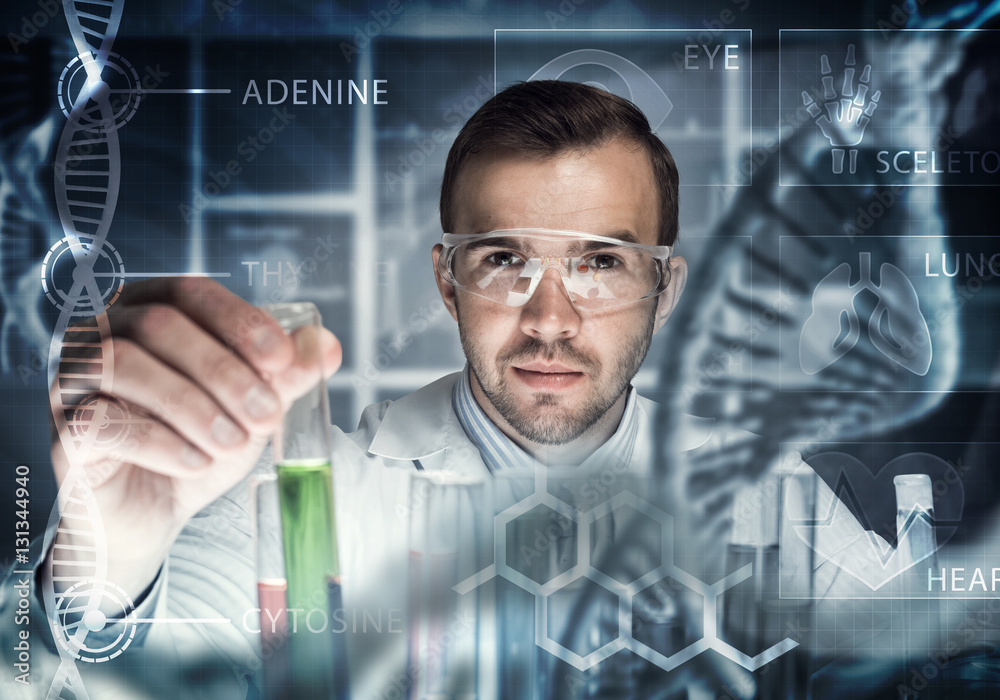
x,y
544,421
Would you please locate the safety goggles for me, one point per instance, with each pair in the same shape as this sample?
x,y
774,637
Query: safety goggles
x,y
598,272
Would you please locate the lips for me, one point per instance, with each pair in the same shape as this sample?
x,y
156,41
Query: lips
x,y
543,376
547,368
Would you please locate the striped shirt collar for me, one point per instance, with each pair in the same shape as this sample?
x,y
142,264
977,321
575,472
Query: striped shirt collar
x,y
499,452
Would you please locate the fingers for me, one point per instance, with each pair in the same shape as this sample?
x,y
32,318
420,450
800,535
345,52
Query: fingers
x,y
162,420
288,363
119,434
317,353
233,322
333,353
189,363
174,400
204,374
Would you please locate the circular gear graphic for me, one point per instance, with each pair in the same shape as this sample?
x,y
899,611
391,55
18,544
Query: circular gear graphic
x,y
113,428
120,77
78,614
59,269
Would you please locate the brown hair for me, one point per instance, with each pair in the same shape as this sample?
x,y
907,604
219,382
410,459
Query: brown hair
x,y
546,117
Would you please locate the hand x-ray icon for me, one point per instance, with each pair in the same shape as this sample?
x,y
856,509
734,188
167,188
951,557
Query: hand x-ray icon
x,y
847,114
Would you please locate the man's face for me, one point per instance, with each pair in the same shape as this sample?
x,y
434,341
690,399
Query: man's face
x,y
548,371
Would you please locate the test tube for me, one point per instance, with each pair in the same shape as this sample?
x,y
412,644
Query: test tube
x,y
446,547
773,604
915,516
916,540
271,583
916,545
301,451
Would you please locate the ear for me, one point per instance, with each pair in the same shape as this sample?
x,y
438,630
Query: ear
x,y
446,288
667,301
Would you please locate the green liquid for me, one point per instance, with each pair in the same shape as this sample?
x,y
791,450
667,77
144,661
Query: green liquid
x,y
309,534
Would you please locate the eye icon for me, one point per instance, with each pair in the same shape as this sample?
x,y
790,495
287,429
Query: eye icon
x,y
638,86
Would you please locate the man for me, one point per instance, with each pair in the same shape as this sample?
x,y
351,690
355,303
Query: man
x,y
555,314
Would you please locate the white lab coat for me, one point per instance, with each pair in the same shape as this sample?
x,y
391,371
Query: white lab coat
x,y
211,574
373,469
210,571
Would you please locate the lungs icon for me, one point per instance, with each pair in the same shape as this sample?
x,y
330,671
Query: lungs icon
x,y
897,327
832,302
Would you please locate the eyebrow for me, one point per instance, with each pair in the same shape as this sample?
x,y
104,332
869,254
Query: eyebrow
x,y
622,235
585,246
518,242
495,242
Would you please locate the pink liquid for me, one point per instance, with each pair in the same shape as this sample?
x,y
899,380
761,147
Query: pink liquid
x,y
274,635
431,578
273,618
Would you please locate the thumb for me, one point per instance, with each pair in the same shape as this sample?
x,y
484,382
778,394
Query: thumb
x,y
318,355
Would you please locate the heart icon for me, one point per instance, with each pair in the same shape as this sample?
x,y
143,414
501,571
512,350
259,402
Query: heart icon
x,y
897,327
839,528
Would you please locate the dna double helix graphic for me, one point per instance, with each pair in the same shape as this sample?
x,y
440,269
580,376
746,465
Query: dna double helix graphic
x,y
87,179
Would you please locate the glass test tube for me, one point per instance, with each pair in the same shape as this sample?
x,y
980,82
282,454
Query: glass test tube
x,y
301,450
446,547
271,583
915,516
518,675
916,544
774,603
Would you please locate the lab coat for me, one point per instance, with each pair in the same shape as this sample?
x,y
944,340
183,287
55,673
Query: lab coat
x,y
210,573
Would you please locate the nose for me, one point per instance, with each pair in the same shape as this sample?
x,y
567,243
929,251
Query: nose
x,y
550,314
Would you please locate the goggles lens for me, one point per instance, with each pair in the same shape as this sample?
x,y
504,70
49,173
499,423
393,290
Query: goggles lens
x,y
597,271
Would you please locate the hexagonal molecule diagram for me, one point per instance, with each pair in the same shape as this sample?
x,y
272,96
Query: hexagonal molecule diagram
x,y
556,552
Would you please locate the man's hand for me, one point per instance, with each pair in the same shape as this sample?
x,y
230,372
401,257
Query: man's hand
x,y
200,380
